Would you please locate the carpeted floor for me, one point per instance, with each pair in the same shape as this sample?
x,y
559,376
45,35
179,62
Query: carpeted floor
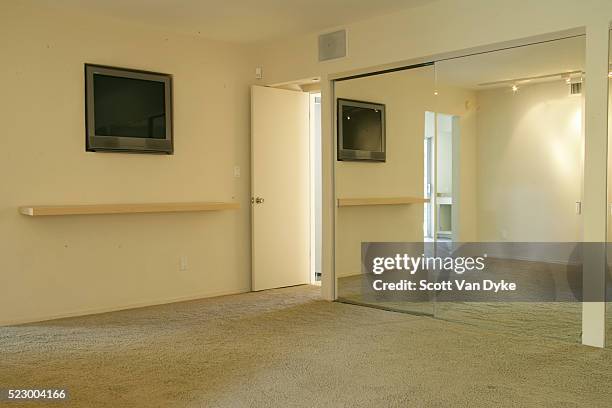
x,y
285,348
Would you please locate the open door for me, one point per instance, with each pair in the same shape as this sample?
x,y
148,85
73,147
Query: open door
x,y
280,203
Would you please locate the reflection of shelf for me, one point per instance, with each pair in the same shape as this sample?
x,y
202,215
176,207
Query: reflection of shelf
x,y
91,209
444,200
350,202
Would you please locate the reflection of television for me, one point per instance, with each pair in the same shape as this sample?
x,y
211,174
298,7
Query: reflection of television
x,y
128,110
361,131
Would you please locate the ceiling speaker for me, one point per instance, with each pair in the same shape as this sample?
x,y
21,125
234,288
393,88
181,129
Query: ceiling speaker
x,y
332,45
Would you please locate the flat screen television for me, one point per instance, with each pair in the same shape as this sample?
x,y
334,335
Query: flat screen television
x,y
128,110
361,131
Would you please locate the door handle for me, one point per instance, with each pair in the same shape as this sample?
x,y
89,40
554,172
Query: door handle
x,y
259,200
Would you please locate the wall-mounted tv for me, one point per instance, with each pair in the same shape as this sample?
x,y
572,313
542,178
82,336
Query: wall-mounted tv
x,y
128,110
361,131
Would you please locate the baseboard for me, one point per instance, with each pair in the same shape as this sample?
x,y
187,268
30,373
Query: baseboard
x,y
349,275
137,305
549,253
536,259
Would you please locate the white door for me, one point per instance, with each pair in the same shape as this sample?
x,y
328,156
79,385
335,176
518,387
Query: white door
x,y
280,188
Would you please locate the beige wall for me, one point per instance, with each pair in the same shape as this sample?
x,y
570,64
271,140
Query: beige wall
x,y
530,148
77,264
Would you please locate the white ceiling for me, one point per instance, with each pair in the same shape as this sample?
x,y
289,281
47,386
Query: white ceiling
x,y
507,65
241,21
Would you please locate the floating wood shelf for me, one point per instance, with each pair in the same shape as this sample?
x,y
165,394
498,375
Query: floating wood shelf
x,y
444,200
92,209
350,202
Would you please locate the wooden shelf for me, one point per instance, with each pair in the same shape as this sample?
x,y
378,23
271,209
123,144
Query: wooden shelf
x,y
350,202
97,209
444,200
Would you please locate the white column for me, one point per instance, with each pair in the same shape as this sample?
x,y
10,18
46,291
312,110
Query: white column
x,y
595,184
328,278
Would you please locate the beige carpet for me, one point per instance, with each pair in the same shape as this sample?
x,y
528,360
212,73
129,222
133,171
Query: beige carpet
x,y
286,348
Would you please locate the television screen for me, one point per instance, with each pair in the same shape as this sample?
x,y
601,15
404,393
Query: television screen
x,y
128,110
361,130
129,107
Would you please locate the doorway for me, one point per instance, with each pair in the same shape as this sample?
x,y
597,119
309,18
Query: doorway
x,y
441,174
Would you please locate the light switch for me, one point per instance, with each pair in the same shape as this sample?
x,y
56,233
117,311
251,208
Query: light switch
x,y
183,266
504,234
237,171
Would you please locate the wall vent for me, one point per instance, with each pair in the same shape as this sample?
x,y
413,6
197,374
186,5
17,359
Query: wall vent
x,y
575,88
332,45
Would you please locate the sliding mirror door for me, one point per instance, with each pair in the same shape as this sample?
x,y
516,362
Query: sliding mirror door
x,y
512,186
477,156
380,197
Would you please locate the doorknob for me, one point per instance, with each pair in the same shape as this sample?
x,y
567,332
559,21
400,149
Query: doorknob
x,y
259,200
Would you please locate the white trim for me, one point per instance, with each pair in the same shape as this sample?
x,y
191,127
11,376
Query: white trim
x,y
596,164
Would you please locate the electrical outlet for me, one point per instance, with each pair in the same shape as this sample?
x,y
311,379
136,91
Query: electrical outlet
x,y
183,263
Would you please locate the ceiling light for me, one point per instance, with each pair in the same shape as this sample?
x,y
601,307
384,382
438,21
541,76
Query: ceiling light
x,y
514,88
436,93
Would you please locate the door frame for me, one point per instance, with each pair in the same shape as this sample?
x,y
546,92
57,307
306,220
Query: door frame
x,y
312,160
